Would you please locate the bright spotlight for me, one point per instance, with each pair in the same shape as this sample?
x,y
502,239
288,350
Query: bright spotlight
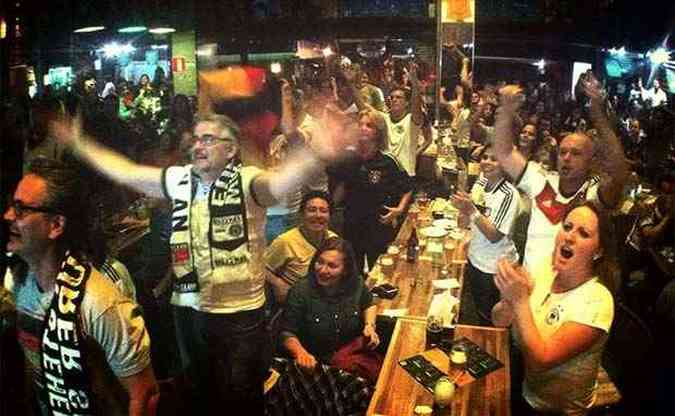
x,y
275,67
327,51
410,51
658,56
540,64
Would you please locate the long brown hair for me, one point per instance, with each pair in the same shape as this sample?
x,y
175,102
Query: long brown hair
x,y
606,265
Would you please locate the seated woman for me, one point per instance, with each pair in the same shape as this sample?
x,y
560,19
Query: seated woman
x,y
287,258
329,310
562,321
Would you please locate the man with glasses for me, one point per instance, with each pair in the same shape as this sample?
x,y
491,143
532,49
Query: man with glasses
x,y
404,119
217,247
83,342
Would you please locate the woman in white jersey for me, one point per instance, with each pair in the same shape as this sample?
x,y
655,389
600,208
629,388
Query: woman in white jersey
x,y
562,321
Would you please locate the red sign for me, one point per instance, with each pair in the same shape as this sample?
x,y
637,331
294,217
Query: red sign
x,y
178,64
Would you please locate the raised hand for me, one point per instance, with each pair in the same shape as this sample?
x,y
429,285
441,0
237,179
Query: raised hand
x,y
462,201
511,97
286,89
67,131
592,87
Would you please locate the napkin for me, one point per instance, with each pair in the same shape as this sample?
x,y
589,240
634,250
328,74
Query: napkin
x,y
443,305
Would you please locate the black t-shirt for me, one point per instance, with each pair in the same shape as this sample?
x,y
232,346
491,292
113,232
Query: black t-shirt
x,y
371,184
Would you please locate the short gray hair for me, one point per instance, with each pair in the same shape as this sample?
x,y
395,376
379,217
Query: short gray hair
x,y
222,121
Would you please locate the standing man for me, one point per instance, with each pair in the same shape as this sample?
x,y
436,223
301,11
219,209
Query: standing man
x,y
83,341
552,194
404,120
217,247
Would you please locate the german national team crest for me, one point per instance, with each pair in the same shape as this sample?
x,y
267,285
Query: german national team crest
x,y
374,176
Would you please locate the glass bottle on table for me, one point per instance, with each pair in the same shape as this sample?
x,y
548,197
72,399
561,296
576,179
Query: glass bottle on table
x,y
412,247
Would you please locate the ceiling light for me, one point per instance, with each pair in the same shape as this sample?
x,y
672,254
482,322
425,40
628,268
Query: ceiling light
x,y
162,30
89,29
132,29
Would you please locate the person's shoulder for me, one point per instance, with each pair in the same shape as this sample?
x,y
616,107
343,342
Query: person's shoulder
x,y
507,188
100,293
288,237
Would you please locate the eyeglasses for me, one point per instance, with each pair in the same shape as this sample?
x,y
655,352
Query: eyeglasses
x,y
21,209
210,139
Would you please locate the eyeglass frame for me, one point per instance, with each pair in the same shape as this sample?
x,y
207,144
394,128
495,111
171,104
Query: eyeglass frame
x,y
210,139
21,209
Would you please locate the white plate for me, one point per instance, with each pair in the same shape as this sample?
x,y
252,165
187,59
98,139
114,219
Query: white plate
x,y
434,232
445,283
444,223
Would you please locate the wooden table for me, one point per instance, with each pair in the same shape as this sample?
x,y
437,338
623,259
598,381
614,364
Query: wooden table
x,y
397,393
414,280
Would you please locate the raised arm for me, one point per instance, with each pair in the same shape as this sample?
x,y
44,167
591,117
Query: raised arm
x,y
513,162
288,122
608,150
350,75
328,144
115,166
416,96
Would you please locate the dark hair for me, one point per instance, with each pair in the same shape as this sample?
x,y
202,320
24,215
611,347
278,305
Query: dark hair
x,y
406,91
605,267
314,194
350,272
67,195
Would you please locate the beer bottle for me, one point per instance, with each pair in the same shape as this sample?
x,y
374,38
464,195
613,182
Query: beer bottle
x,y
411,247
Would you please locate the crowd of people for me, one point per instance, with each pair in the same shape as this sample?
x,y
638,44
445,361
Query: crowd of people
x,y
269,260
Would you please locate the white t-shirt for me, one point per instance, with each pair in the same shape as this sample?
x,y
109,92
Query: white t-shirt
x,y
570,386
227,288
501,207
548,209
402,141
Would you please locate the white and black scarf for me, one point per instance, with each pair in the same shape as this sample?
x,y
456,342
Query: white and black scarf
x,y
227,225
66,379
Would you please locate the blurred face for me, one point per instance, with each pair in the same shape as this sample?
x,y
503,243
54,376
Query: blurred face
x,y
577,242
143,80
89,85
489,165
31,231
527,136
213,148
398,102
634,127
329,267
367,143
574,156
316,215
